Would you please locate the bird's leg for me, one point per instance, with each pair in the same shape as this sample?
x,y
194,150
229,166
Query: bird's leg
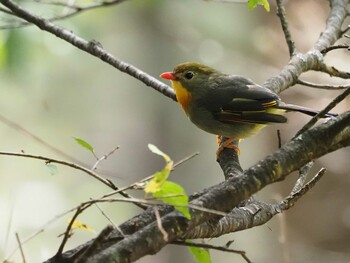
x,y
228,143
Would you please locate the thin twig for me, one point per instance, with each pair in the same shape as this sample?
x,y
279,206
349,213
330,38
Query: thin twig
x,y
319,115
334,47
332,71
322,86
66,235
290,200
136,184
65,163
76,9
159,224
281,13
78,167
279,138
303,172
108,218
83,206
186,159
104,157
208,246
20,248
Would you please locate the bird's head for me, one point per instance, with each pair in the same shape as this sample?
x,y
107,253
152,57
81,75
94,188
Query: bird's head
x,y
189,80
191,75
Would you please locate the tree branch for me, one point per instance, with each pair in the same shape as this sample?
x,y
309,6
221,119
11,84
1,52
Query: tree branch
x,y
91,47
302,62
75,10
226,195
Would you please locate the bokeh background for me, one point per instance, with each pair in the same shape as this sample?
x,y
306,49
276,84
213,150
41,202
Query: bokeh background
x,y
58,92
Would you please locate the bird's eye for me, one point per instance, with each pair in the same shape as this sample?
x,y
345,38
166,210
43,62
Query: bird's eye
x,y
189,75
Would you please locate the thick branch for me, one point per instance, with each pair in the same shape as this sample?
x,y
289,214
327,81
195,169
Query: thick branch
x,y
253,213
225,196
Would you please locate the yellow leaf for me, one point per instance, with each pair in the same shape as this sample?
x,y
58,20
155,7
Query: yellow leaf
x,y
159,178
79,225
155,150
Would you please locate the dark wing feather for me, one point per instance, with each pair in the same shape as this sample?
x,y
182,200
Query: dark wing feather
x,y
307,111
251,104
251,117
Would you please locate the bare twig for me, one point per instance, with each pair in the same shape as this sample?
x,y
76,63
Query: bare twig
x,y
20,248
65,163
289,201
319,115
108,218
136,184
279,138
186,159
281,13
75,10
78,167
303,172
333,71
322,86
66,235
334,47
208,246
159,223
104,157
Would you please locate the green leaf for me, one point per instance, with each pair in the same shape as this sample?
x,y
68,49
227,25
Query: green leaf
x,y
166,191
84,144
173,194
52,168
200,254
253,3
158,180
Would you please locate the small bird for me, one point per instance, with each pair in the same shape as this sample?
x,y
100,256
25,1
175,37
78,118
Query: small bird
x,y
227,105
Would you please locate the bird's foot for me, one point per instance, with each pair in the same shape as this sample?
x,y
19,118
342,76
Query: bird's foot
x,y
231,143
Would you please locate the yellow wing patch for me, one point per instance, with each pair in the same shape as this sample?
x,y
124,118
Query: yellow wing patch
x,y
269,104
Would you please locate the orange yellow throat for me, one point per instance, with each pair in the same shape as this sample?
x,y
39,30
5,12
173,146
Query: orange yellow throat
x,y
182,95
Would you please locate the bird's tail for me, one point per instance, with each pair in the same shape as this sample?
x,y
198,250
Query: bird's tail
x,y
307,111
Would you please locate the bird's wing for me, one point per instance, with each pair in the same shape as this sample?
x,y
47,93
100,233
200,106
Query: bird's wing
x,y
251,104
